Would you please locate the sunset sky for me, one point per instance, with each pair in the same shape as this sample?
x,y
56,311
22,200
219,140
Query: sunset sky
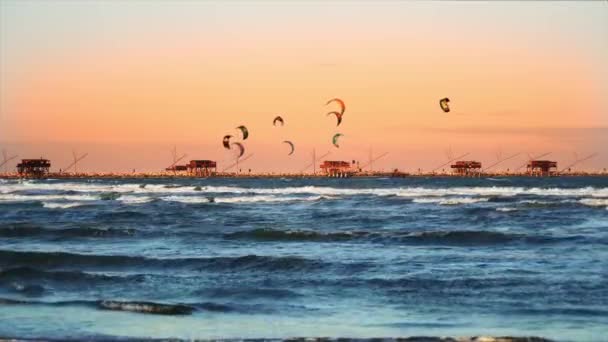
x,y
126,81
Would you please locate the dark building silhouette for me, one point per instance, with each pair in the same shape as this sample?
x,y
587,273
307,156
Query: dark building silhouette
x,y
466,167
337,168
34,168
177,168
542,167
202,168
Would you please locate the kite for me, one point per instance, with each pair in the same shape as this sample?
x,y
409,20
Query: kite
x,y
244,131
226,141
444,104
241,148
334,140
340,102
338,116
278,119
290,145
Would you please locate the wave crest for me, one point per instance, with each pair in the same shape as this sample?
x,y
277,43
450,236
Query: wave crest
x,y
71,260
38,231
146,307
455,237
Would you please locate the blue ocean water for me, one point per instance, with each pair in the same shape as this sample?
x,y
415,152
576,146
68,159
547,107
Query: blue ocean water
x,y
360,257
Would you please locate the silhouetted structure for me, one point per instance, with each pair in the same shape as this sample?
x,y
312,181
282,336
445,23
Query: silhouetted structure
x,y
336,168
177,168
466,167
542,167
202,168
35,168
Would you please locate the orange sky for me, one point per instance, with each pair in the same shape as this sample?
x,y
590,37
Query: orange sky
x,y
128,81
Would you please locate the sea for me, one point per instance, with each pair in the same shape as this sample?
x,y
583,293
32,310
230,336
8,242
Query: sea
x,y
292,257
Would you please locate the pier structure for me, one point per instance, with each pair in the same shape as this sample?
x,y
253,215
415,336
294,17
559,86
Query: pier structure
x,y
236,163
467,168
74,164
541,167
177,168
6,159
576,162
530,159
174,167
202,168
338,168
314,162
451,159
500,160
370,163
34,168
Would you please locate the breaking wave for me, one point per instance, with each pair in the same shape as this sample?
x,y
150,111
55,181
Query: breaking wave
x,y
465,238
34,274
451,201
38,231
264,234
149,307
70,260
186,199
70,195
55,205
46,198
244,293
116,190
146,307
595,202
237,199
130,306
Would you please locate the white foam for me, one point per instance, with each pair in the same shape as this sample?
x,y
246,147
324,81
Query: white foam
x,y
237,199
78,187
25,198
410,192
505,209
55,205
595,202
451,201
535,202
129,199
417,191
185,199
253,199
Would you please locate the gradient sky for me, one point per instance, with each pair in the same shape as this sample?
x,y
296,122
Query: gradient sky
x,y
125,81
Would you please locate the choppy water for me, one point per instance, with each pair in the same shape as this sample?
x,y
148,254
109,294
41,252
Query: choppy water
x,y
301,257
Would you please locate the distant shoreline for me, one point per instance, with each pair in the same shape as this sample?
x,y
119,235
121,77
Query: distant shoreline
x,y
164,175
305,339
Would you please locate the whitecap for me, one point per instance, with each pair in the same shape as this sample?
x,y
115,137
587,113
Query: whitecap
x,y
28,198
413,192
185,199
254,199
129,199
595,202
55,205
237,199
451,201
